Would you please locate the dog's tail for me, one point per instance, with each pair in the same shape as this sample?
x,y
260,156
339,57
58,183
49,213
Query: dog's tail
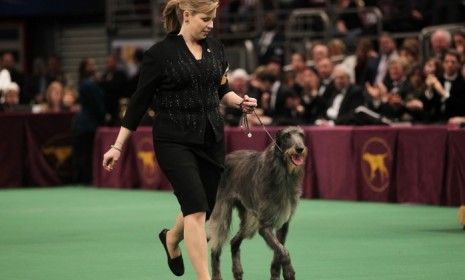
x,y
220,222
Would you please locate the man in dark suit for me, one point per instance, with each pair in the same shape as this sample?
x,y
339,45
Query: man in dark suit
x,y
344,99
393,91
325,69
377,67
113,84
452,101
274,94
270,43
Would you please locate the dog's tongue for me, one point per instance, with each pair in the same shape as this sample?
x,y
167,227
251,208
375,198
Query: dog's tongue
x,y
297,160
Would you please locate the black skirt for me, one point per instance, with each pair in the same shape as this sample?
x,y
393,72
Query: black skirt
x,y
194,171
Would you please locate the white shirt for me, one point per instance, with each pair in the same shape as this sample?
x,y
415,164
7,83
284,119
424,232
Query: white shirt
x,y
333,111
274,94
265,40
448,85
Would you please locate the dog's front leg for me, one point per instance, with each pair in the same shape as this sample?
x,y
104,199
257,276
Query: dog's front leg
x,y
280,251
276,264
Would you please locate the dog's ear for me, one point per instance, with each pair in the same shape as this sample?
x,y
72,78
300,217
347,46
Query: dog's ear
x,y
279,138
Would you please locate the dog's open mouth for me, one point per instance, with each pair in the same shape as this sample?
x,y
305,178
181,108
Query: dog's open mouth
x,y
297,159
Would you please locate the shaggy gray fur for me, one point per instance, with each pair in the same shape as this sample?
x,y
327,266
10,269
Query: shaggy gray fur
x,y
265,188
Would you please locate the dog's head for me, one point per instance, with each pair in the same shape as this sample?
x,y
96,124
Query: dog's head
x,y
291,142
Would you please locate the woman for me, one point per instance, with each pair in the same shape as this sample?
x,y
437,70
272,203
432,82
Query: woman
x,y
184,75
54,98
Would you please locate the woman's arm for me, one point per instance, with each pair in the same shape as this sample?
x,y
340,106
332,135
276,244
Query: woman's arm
x,y
113,154
247,104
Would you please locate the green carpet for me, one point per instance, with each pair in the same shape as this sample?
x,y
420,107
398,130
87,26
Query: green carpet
x,y
87,233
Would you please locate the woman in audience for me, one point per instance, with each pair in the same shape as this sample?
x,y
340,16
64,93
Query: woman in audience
x,y
54,98
70,100
357,63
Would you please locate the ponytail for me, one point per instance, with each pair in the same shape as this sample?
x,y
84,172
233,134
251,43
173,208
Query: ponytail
x,y
171,16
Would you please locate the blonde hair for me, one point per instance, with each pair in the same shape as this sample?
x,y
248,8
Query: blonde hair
x,y
55,85
172,13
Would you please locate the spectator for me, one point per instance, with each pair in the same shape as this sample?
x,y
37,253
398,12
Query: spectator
x,y
5,79
318,52
388,98
37,83
270,41
325,70
377,67
337,50
11,98
459,44
239,83
358,62
451,101
415,98
54,98
344,99
134,78
70,100
241,15
432,69
113,84
410,50
347,23
298,67
92,115
440,42
54,71
309,95
273,93
8,62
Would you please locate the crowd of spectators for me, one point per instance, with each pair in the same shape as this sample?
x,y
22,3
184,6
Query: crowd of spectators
x,y
381,83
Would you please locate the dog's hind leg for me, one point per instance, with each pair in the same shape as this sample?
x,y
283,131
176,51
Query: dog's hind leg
x,y
220,222
215,262
236,255
276,264
279,250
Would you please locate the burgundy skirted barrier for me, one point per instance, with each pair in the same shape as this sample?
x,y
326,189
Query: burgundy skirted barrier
x,y
419,164
35,149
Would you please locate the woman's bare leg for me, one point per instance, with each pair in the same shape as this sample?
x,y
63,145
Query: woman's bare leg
x,y
174,236
196,243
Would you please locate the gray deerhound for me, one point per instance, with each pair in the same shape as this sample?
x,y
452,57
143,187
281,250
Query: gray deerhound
x,y
264,187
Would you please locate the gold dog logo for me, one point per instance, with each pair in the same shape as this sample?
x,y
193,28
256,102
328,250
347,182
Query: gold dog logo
x,y
146,157
375,156
61,154
58,151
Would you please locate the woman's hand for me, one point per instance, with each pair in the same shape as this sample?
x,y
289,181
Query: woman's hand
x,y
111,157
248,104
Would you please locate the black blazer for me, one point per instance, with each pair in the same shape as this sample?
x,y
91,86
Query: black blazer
x,y
352,99
455,104
185,92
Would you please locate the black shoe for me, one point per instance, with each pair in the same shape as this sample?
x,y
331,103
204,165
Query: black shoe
x,y
176,264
